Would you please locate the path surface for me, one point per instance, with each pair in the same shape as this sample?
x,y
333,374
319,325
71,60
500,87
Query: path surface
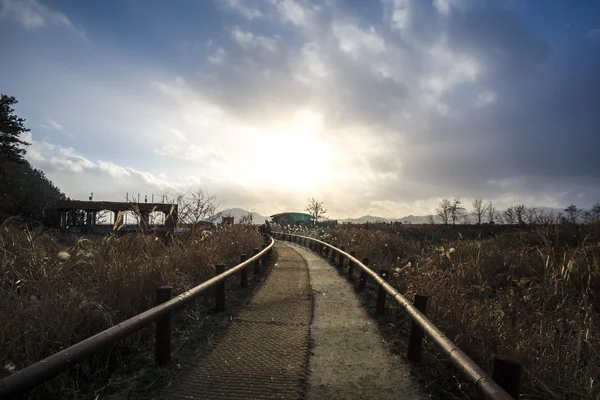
x,y
349,359
264,353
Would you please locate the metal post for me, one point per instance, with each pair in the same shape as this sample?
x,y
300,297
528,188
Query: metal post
x,y
244,273
220,288
327,250
351,266
416,333
162,353
332,254
381,293
256,262
363,276
341,259
507,374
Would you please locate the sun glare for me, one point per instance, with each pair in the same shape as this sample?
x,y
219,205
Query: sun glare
x,y
293,160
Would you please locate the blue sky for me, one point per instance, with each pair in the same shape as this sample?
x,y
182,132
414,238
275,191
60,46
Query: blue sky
x,y
376,107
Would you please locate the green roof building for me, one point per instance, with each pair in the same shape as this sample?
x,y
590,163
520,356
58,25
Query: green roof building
x,y
291,218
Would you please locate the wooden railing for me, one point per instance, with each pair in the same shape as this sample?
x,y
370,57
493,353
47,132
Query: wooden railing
x,y
505,382
49,367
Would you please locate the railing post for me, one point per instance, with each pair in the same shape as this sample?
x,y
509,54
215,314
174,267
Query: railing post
x,y
362,284
326,252
415,339
351,266
507,373
244,273
341,259
162,353
263,258
381,293
220,289
256,262
332,254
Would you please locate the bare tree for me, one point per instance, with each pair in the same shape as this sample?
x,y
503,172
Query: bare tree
x,y
573,213
479,210
193,208
443,211
430,219
315,208
465,219
593,214
492,213
247,219
456,209
509,216
531,214
520,211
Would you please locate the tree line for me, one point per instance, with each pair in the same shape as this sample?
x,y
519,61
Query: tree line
x,y
452,211
25,191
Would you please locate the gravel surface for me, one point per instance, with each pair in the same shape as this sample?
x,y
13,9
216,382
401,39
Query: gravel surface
x,y
349,359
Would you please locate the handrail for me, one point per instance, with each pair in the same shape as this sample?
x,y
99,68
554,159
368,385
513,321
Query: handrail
x,y
484,383
50,366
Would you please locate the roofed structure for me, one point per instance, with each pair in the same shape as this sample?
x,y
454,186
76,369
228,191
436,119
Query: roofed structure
x,y
292,218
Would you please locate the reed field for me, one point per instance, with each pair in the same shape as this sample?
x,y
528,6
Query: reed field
x,y
527,292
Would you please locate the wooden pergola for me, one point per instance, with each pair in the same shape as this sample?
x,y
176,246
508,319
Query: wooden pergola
x,y
66,208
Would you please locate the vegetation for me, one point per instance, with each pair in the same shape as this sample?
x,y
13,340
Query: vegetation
x,y
58,290
316,208
25,191
531,292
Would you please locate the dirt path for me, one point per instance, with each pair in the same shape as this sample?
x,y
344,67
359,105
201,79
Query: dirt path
x,y
264,352
349,359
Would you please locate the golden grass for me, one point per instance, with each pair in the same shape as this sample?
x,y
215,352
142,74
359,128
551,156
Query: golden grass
x,y
57,290
532,295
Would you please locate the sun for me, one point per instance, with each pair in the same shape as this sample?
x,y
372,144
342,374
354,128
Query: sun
x,y
294,160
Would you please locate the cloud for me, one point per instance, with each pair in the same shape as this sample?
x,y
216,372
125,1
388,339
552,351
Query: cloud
x,y
593,34
31,14
193,153
52,125
486,98
396,104
249,41
217,57
246,8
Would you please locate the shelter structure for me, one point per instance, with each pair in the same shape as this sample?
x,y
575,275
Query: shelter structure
x,y
292,218
68,211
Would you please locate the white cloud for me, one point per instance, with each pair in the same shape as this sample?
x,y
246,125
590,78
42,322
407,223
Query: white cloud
x,y
486,98
293,11
217,57
244,8
250,41
32,15
52,125
357,42
593,34
194,153
444,6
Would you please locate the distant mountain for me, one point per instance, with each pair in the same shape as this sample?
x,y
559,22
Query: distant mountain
x,y
369,218
363,220
238,213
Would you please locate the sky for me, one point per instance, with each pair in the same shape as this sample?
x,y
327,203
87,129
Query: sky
x,y
376,107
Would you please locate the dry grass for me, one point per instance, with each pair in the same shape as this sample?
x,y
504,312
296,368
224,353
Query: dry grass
x,y
532,295
57,290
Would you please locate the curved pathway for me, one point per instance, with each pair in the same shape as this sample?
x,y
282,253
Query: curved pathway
x,y
349,359
264,354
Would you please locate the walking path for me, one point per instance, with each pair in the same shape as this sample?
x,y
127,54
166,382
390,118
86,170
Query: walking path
x,y
265,352
349,359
